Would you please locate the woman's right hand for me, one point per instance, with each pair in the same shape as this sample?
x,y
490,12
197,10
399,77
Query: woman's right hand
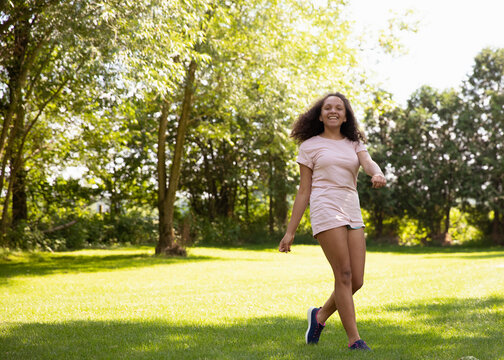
x,y
285,243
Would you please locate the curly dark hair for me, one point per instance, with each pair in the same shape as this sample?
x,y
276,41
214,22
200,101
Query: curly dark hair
x,y
308,124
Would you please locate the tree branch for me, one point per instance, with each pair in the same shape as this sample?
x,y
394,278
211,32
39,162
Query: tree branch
x,y
60,227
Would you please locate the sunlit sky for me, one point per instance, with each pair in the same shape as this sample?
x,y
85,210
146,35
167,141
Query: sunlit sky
x,y
441,54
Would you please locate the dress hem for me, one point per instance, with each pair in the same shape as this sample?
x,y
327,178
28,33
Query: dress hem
x,y
355,226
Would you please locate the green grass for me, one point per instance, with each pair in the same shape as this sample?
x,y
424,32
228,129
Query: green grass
x,y
247,304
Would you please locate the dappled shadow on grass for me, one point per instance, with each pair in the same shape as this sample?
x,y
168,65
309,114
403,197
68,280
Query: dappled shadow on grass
x,y
271,247
446,330
465,252
44,264
481,255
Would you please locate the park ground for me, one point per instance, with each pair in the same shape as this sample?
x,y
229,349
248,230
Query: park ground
x,y
247,303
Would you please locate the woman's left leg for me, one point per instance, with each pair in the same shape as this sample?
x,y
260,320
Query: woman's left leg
x,y
357,253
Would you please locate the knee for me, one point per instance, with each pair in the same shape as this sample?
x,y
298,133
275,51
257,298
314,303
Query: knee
x,y
344,278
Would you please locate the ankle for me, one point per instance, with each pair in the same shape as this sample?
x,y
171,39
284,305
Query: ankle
x,y
318,317
352,340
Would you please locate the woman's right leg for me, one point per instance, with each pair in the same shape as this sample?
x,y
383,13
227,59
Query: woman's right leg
x,y
334,243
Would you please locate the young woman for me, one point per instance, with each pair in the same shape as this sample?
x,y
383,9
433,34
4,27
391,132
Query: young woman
x,y
330,154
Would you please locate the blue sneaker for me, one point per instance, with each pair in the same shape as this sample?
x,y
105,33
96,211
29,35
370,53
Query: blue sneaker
x,y
314,327
359,345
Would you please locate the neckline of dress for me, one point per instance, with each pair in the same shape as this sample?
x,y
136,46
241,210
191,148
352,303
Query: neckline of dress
x,y
331,139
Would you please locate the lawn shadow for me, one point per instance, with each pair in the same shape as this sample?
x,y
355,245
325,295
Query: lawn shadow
x,y
46,264
440,252
460,327
426,335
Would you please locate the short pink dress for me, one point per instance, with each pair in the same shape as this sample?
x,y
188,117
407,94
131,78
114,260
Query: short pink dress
x,y
334,200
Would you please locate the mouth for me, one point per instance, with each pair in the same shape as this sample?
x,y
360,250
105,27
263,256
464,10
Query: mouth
x,y
332,117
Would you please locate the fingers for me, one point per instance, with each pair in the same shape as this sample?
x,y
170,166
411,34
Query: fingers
x,y
284,247
378,181
377,185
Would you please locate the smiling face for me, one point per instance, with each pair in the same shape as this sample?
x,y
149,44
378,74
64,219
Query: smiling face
x,y
333,112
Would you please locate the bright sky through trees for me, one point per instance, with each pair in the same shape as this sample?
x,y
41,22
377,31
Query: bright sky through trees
x,y
442,52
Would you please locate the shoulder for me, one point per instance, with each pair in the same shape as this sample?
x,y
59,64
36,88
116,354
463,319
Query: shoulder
x,y
310,144
357,145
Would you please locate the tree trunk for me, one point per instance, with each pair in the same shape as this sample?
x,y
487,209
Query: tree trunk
x,y
270,193
281,190
247,195
379,224
497,234
13,134
17,74
436,235
14,152
161,169
167,196
19,203
447,237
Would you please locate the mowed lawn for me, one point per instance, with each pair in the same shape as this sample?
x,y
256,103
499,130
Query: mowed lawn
x,y
247,304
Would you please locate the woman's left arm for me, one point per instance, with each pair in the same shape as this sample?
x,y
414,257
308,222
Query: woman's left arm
x,y
372,169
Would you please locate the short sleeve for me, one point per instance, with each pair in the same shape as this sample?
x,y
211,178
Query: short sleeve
x,y
304,158
360,147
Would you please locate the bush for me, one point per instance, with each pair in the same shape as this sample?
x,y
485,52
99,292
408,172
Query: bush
x,y
90,230
23,237
461,230
410,232
228,231
221,231
135,229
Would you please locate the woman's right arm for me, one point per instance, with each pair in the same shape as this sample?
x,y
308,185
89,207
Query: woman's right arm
x,y
299,207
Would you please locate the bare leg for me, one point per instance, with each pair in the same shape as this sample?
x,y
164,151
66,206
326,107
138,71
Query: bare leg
x,y
345,250
357,248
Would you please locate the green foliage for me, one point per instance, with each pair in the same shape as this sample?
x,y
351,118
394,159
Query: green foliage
x,y
411,232
484,126
90,230
462,231
381,231
436,163
389,38
24,238
229,232
431,146
82,85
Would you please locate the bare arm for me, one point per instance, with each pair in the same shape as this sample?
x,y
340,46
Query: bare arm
x,y
372,169
299,207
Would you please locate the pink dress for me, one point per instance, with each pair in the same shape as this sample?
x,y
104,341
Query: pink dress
x,y
334,200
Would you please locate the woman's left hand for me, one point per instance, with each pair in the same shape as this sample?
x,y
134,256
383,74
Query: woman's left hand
x,y
378,181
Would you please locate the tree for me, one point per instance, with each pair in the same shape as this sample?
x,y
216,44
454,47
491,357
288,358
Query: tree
x,y
484,131
45,53
267,61
227,43
429,159
380,120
